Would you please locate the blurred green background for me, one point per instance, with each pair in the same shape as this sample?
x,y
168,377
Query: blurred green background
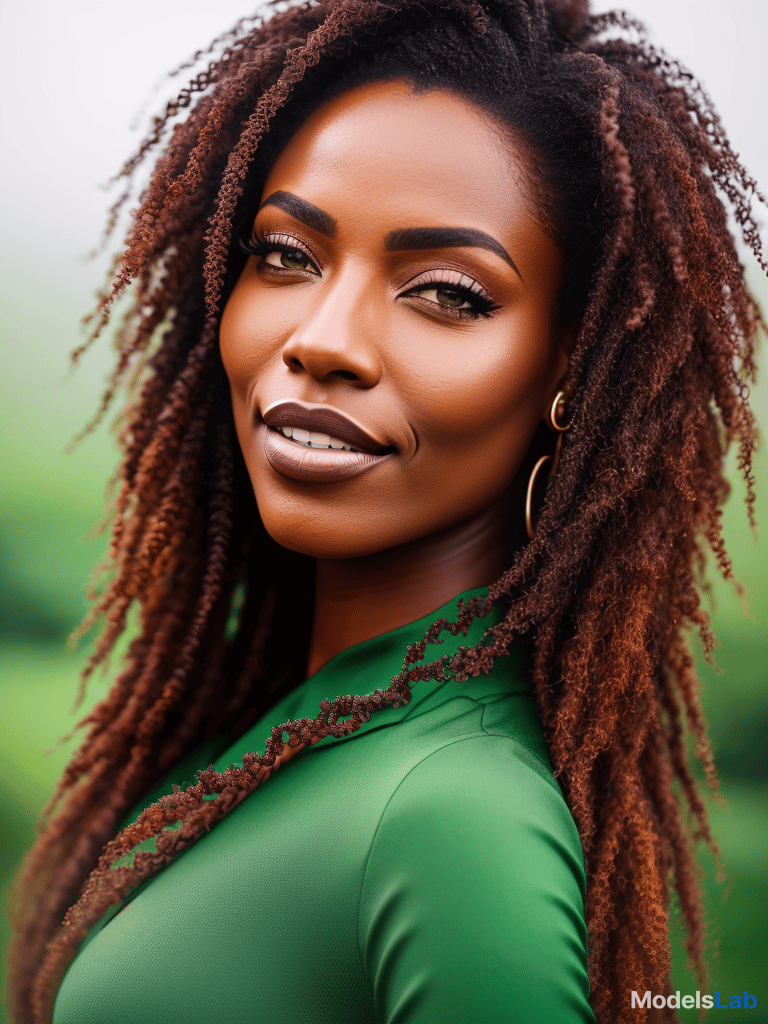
x,y
65,119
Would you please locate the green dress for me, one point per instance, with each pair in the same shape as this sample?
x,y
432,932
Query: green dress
x,y
424,870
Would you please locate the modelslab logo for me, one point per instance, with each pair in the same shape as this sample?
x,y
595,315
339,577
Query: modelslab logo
x,y
699,1001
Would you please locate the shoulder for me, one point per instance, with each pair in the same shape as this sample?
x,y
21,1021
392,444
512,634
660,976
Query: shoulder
x,y
475,881
492,783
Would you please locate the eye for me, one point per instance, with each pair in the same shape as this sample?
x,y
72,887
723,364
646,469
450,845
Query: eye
x,y
279,254
287,259
453,294
451,297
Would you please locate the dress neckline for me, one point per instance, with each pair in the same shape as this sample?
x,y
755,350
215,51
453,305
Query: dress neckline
x,y
371,664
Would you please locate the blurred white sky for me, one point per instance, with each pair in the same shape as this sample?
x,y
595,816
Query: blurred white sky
x,y
74,75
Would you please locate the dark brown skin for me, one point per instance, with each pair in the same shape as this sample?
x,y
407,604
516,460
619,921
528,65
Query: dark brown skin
x,y
378,335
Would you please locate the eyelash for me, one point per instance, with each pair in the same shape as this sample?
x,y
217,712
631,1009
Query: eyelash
x,y
262,245
482,304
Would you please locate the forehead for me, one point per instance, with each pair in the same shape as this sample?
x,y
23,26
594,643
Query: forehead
x,y
429,158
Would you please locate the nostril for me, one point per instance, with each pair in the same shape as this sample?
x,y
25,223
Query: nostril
x,y
296,364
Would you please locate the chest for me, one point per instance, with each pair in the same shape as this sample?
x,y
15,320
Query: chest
x,y
259,918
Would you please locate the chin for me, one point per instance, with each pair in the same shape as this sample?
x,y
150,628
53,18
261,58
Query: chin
x,y
321,536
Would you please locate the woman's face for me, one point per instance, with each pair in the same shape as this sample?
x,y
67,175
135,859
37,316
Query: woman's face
x,y
403,303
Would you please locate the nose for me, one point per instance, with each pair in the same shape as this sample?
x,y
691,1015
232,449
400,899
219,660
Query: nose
x,y
339,336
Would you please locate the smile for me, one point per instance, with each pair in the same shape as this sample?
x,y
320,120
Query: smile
x,y
315,439
322,426
310,459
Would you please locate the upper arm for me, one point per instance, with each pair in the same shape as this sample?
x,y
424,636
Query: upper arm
x,y
472,905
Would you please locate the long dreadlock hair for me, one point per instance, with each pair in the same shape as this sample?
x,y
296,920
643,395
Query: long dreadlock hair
x,y
634,177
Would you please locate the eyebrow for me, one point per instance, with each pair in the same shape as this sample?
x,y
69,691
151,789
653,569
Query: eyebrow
x,y
395,241
450,238
307,213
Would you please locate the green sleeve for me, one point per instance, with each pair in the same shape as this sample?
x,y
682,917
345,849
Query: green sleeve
x,y
472,903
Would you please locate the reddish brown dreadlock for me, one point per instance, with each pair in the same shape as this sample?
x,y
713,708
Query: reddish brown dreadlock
x,y
633,177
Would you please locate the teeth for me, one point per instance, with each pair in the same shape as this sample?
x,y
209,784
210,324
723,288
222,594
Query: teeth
x,y
314,439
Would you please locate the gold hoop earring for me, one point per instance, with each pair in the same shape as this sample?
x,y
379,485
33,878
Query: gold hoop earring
x,y
557,410
529,495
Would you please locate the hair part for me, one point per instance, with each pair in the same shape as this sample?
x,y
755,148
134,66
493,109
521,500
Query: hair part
x,y
629,156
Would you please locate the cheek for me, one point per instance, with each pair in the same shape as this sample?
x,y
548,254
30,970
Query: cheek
x,y
236,355
256,321
490,396
241,335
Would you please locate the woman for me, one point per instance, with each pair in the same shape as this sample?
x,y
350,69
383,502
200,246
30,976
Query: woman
x,y
480,247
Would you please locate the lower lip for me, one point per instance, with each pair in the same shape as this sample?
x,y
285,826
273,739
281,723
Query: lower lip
x,y
319,465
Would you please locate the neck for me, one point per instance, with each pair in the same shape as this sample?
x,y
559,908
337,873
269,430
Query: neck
x,y
360,598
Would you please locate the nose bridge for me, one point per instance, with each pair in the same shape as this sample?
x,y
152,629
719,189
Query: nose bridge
x,y
338,333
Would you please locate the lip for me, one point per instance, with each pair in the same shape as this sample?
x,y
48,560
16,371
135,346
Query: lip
x,y
315,465
324,419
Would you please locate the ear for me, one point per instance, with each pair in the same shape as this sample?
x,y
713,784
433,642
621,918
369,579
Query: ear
x,y
565,342
568,333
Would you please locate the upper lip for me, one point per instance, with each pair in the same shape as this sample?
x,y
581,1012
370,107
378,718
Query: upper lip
x,y
324,419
